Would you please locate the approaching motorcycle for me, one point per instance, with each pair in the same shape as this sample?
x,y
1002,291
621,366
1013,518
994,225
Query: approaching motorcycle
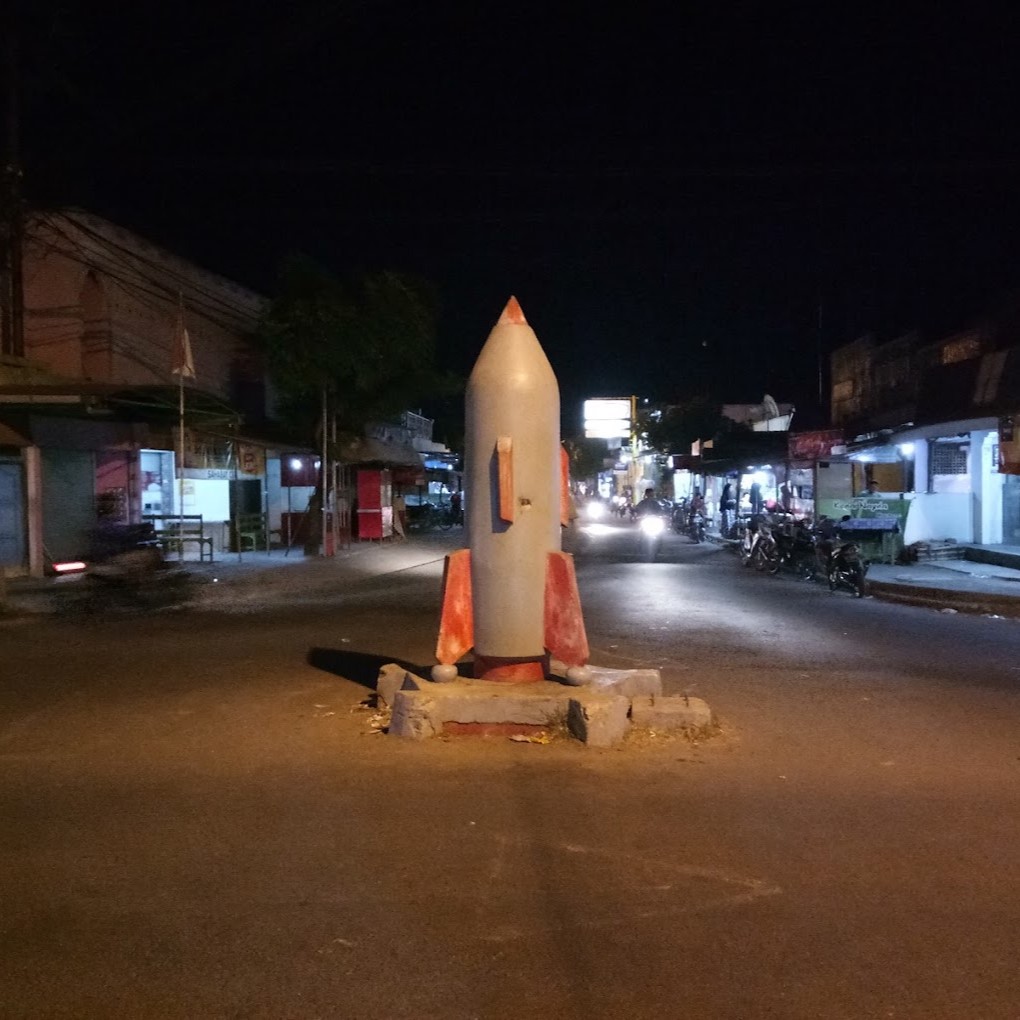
x,y
651,527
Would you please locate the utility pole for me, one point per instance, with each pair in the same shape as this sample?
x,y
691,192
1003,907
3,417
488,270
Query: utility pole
x,y
818,352
12,308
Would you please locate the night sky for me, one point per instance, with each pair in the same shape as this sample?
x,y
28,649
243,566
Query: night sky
x,y
694,198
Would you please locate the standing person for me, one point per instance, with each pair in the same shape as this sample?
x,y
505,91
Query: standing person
x,y
726,505
786,496
756,501
455,506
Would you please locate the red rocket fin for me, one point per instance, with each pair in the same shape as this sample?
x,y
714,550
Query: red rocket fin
x,y
457,622
564,625
512,314
505,463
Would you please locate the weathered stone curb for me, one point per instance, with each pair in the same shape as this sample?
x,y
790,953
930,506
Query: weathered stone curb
x,y
681,713
599,714
977,603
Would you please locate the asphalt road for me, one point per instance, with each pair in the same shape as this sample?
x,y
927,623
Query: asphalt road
x,y
198,819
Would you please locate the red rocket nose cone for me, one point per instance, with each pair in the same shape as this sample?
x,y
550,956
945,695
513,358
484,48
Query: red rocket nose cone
x,y
512,314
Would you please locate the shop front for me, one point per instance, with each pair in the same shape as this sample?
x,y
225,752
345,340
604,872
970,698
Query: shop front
x,y
948,478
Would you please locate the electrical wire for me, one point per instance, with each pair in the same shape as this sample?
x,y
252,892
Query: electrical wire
x,y
215,308
140,293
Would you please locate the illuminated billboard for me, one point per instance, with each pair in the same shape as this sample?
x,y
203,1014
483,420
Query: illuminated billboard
x,y
607,418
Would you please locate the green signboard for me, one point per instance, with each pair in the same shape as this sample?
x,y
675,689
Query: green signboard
x,y
865,507
888,517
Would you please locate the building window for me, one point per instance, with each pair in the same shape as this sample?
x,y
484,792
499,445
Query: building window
x,y
947,465
949,458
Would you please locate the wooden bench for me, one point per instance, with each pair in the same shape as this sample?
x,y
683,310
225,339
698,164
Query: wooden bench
x,y
175,532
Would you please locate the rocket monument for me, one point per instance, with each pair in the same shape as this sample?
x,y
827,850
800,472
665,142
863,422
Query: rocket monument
x,y
512,594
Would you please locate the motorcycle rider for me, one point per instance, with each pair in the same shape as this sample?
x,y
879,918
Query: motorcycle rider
x,y
696,516
697,503
649,505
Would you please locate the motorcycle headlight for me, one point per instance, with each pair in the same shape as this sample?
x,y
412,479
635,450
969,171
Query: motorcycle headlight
x,y
596,511
652,526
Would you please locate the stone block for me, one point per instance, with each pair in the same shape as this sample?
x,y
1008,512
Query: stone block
x,y
391,679
672,713
631,683
413,716
599,720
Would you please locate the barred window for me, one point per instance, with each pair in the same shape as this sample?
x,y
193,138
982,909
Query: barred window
x,y
949,458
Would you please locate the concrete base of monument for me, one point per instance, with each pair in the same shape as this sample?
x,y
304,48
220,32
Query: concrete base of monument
x,y
600,714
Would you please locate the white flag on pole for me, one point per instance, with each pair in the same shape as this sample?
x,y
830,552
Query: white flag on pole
x,y
184,363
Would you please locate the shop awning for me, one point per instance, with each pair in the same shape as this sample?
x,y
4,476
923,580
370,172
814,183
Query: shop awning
x,y
744,451
369,450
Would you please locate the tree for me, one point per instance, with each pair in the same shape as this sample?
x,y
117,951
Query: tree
x,y
364,347
587,459
679,425
368,343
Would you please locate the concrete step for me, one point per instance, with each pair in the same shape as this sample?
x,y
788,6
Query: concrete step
x,y
929,551
996,557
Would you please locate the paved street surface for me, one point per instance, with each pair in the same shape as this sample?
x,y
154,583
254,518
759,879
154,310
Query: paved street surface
x,y
199,819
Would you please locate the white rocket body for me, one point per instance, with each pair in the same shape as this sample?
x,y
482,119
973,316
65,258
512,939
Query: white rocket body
x,y
512,403
512,594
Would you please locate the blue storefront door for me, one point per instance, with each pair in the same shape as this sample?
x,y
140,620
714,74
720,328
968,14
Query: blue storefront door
x,y
12,515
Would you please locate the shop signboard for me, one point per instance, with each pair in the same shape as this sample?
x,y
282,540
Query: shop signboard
x,y
251,460
819,445
866,508
875,521
608,418
1009,446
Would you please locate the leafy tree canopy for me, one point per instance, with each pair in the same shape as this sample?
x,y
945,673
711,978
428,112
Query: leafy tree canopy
x,y
369,342
587,458
679,425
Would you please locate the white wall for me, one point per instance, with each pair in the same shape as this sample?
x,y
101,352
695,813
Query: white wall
x,y
209,497
990,518
936,516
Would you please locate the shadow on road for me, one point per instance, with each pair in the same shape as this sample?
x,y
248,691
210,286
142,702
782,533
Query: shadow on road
x,y
359,667
363,667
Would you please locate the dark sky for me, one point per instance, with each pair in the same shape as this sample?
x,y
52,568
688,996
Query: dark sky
x,y
672,192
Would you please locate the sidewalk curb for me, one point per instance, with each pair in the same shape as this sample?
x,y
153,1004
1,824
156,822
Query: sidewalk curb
x,y
976,603
927,597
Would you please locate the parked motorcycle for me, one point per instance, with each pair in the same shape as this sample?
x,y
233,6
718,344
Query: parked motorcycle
x,y
678,518
795,544
839,560
777,543
765,553
846,569
748,531
696,526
